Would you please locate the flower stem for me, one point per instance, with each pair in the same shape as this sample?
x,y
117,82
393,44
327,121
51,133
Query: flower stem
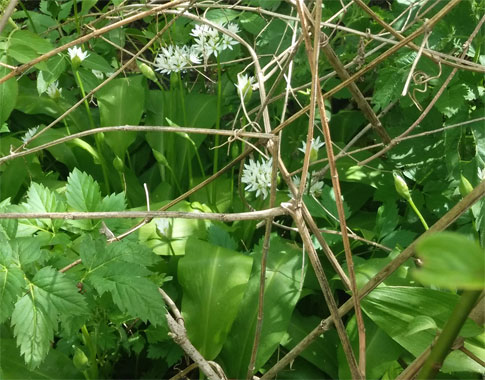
x,y
218,126
184,115
97,137
420,216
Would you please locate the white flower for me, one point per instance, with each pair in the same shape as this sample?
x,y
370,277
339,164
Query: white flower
x,y
257,176
316,145
227,41
77,52
175,59
315,188
163,227
29,134
54,91
244,85
98,74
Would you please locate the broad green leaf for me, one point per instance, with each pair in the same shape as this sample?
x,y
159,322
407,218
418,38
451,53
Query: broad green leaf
x,y
282,290
42,199
452,100
96,62
213,280
219,236
121,102
11,286
27,249
451,260
387,219
322,353
393,308
381,350
83,194
8,95
182,229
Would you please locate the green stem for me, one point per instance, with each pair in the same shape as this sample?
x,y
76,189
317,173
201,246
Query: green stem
x,y
448,335
218,126
182,102
28,16
97,137
92,352
78,29
413,206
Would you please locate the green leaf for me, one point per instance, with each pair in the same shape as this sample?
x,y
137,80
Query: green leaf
x,y
121,102
57,365
213,280
451,102
387,219
119,269
83,194
451,260
322,353
42,199
59,292
132,292
34,326
8,95
24,46
282,290
35,315
393,308
8,226
219,236
113,202
381,350
11,286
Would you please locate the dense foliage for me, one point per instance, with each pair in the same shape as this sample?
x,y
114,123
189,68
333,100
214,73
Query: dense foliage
x,y
81,300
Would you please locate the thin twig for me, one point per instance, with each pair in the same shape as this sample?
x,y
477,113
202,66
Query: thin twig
x,y
431,104
444,222
223,217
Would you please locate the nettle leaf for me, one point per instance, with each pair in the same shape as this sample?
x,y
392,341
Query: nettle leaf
x,y
42,199
35,315
11,286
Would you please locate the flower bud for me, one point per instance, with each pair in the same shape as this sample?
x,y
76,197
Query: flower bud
x,y
147,71
80,360
465,186
401,186
118,164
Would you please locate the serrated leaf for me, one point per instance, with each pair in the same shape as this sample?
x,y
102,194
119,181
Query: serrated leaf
x,y
83,192
34,327
113,202
133,294
8,226
42,199
35,315
8,95
27,249
60,291
11,286
452,100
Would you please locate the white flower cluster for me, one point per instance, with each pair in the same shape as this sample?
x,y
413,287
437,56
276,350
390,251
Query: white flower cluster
x,y
244,85
257,176
208,41
176,58
315,187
